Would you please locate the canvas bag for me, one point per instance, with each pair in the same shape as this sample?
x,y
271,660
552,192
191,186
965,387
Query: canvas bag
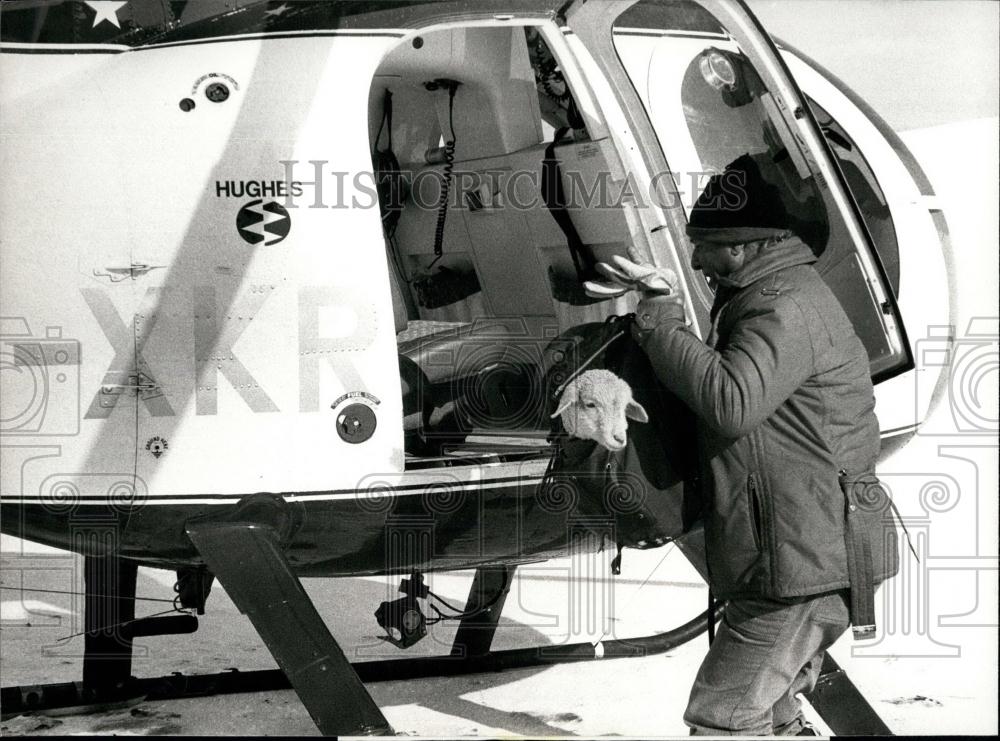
x,y
649,489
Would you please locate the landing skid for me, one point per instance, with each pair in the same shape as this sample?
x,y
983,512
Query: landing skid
x,y
842,706
249,563
110,626
17,700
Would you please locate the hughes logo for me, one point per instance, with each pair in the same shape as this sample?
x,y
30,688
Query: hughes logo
x,y
257,188
263,222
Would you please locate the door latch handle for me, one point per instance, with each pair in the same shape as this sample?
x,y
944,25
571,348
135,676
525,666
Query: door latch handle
x,y
139,384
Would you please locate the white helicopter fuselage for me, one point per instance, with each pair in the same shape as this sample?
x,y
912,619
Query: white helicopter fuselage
x,y
201,307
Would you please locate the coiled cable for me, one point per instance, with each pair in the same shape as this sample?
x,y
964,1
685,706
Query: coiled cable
x,y
446,173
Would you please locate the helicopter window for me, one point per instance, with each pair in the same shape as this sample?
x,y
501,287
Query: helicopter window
x,y
709,105
866,190
484,275
729,113
556,103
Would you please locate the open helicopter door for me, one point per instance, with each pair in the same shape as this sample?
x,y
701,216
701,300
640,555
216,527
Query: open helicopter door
x,y
908,228
714,89
68,378
267,324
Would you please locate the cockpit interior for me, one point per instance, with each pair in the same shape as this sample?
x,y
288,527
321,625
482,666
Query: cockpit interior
x,y
470,127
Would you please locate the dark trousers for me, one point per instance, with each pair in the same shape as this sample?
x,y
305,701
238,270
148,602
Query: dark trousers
x,y
765,653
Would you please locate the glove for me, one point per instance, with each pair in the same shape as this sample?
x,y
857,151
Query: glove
x,y
633,273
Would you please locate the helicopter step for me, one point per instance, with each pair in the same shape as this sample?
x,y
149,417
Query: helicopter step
x,y
249,563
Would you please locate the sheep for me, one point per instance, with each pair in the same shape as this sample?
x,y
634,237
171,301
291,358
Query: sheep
x,y
596,405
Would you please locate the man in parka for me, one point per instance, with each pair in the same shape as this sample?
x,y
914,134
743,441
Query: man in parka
x,y
785,406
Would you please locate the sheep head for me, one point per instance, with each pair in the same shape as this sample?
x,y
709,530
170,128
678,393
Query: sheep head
x,y
596,405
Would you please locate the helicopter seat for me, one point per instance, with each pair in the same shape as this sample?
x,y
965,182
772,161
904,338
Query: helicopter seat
x,y
459,377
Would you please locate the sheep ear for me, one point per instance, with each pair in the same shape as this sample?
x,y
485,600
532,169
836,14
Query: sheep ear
x,y
634,410
567,400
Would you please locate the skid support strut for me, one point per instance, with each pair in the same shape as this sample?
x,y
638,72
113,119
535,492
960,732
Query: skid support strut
x,y
489,590
249,563
109,602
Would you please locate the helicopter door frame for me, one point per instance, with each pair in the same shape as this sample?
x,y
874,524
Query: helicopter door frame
x,y
751,36
652,222
923,254
590,24
660,222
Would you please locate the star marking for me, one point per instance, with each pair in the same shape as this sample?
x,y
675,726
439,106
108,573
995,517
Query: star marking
x,y
105,10
275,12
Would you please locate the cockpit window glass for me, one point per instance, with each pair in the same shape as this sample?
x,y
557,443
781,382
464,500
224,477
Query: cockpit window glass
x,y
867,192
679,17
710,107
714,95
729,114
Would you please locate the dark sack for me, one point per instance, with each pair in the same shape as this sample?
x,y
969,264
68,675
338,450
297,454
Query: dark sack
x,y
649,488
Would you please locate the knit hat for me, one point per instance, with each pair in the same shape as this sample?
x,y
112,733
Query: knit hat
x,y
738,206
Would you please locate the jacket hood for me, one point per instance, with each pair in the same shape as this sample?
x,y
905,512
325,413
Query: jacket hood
x,y
784,254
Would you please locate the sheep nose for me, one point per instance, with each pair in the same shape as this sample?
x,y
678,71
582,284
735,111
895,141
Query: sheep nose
x,y
619,438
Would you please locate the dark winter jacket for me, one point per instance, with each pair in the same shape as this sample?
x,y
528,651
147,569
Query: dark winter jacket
x,y
784,400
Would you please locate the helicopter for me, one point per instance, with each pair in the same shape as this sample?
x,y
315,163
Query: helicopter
x,y
283,282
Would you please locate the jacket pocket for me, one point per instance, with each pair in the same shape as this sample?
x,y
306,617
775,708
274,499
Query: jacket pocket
x,y
755,510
